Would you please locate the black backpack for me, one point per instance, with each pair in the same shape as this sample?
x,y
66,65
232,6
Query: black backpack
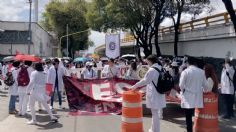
x,y
165,81
9,80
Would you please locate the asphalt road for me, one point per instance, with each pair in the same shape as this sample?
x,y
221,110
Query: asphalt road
x,y
173,121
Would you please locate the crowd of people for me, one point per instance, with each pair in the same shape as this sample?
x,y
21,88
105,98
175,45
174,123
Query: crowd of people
x,y
192,78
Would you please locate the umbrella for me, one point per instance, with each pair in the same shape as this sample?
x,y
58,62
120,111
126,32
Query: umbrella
x,y
81,59
27,58
8,58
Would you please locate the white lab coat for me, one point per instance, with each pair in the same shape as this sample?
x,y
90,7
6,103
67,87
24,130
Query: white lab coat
x,y
92,74
37,86
109,72
154,100
192,84
13,90
131,74
51,77
227,86
4,70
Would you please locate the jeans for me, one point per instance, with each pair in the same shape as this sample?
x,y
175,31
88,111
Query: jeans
x,y
12,103
188,115
59,96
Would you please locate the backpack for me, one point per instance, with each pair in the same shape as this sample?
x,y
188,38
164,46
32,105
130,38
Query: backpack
x,y
165,81
23,77
9,80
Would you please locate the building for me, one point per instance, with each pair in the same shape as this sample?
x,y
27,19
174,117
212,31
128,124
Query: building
x,y
14,37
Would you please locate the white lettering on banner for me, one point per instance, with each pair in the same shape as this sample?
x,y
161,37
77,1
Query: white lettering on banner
x,y
103,107
206,116
99,90
210,100
119,87
108,105
98,108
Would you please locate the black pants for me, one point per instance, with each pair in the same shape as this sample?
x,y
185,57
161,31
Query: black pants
x,y
229,102
188,115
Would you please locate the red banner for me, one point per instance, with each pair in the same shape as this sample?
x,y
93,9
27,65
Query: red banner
x,y
97,96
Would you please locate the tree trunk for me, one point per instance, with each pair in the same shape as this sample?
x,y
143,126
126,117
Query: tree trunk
x,y
176,26
229,7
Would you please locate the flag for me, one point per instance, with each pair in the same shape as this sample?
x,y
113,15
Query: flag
x,y
113,45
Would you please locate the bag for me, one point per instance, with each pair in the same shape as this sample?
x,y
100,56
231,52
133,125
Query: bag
x,y
165,81
23,77
9,80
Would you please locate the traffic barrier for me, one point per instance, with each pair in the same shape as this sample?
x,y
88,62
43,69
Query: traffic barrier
x,y
206,119
132,112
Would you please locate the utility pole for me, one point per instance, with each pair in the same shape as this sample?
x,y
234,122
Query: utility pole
x,y
67,41
30,36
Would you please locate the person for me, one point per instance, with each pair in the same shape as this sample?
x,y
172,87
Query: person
x,y
23,97
212,80
48,65
227,88
154,100
55,77
132,72
192,84
89,72
13,90
110,70
36,91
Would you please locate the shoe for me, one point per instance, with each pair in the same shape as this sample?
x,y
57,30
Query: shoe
x,y
32,122
51,108
40,110
28,110
54,119
12,112
60,107
226,117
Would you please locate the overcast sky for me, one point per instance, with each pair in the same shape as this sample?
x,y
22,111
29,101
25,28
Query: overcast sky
x,y
17,10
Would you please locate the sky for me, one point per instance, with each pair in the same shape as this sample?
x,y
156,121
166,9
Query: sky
x,y
18,10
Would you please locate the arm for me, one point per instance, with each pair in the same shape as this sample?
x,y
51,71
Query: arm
x,y
32,82
146,80
209,84
182,80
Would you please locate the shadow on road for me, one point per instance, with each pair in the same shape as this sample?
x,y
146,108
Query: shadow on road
x,y
50,125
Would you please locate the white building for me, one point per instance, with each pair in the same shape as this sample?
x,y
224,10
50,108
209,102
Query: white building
x,y
14,37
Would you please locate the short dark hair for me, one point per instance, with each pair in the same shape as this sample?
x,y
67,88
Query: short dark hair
x,y
152,58
28,63
39,66
191,60
16,64
112,60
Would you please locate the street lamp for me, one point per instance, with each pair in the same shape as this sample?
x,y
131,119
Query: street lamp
x,y
30,36
59,47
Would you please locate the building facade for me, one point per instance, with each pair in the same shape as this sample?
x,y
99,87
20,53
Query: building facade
x,y
14,37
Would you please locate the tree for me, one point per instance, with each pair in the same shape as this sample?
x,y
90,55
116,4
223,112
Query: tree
x,y
141,17
229,7
175,10
56,17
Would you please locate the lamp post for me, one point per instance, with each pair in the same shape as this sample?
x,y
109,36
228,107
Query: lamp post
x,y
59,47
30,36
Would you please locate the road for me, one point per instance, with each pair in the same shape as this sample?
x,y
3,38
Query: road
x,y
173,121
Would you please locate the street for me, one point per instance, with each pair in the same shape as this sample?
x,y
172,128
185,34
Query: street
x,y
173,120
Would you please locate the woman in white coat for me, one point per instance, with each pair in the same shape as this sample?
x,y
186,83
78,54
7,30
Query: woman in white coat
x,y
192,84
154,100
36,90
55,77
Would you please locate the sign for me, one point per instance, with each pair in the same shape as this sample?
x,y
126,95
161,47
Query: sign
x,y
112,45
97,96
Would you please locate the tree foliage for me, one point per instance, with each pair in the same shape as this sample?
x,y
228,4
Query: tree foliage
x,y
58,14
230,9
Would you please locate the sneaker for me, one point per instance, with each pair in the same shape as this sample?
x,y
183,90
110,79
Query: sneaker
x,y
28,110
51,108
12,112
40,110
226,117
54,119
32,122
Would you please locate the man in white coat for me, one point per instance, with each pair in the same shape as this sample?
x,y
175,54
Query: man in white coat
x,y
227,88
192,84
89,72
110,70
154,100
55,77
